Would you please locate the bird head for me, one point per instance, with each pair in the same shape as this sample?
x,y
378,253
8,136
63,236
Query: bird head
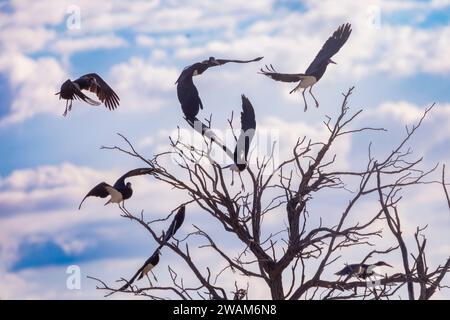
x,y
382,263
331,61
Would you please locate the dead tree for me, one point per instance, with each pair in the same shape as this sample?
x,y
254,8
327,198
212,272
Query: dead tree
x,y
298,260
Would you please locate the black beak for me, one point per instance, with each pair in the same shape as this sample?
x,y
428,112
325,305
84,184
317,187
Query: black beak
x,y
331,61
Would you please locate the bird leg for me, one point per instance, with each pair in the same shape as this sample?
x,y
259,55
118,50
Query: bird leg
x,y
304,99
124,210
242,182
156,279
148,278
232,177
65,111
315,100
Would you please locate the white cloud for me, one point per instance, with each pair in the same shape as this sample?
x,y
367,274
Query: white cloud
x,y
143,85
68,46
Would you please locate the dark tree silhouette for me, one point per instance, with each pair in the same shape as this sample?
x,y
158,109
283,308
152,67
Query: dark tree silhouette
x,y
299,260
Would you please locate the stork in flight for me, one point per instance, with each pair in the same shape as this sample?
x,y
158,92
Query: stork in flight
x,y
248,127
361,270
317,67
71,90
187,91
120,191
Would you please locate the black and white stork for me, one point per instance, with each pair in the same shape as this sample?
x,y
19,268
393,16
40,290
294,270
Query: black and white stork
x,y
120,191
317,67
71,90
361,270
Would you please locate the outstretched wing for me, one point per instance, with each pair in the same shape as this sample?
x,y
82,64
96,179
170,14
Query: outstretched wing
x,y
220,62
248,127
101,190
176,224
331,46
103,91
285,77
70,91
132,173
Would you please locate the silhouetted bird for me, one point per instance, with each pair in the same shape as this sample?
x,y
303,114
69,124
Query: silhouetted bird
x,y
120,191
248,127
149,264
362,271
175,225
187,91
71,90
317,68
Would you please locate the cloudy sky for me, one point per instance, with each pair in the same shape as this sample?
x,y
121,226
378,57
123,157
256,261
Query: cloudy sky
x,y
397,58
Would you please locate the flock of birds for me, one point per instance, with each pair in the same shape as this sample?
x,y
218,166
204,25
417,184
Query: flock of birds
x,y
191,104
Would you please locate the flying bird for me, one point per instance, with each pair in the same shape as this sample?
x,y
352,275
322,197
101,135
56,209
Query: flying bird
x,y
248,127
317,67
187,91
361,270
120,191
71,90
175,225
147,267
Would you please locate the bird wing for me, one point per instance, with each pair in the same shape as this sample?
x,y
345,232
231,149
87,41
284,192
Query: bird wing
x,y
285,77
70,91
103,91
101,190
132,173
176,224
223,61
248,126
331,46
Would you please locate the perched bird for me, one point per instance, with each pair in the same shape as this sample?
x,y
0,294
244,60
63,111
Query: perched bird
x,y
71,90
248,127
120,191
175,225
147,267
186,90
317,68
361,270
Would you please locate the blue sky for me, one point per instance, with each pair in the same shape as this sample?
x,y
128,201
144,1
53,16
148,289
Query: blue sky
x,y
398,59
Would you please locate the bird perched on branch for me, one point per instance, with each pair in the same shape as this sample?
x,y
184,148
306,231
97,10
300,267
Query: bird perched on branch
x,y
361,270
120,191
186,90
147,267
317,67
175,225
71,90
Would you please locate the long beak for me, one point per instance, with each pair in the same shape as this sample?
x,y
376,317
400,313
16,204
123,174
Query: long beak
x,y
331,61
388,265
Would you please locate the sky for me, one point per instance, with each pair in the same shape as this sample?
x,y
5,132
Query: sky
x,y
397,57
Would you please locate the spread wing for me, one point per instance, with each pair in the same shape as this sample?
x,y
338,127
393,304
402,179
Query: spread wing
x,y
103,91
248,127
176,224
285,77
132,173
70,91
331,46
223,61
101,190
